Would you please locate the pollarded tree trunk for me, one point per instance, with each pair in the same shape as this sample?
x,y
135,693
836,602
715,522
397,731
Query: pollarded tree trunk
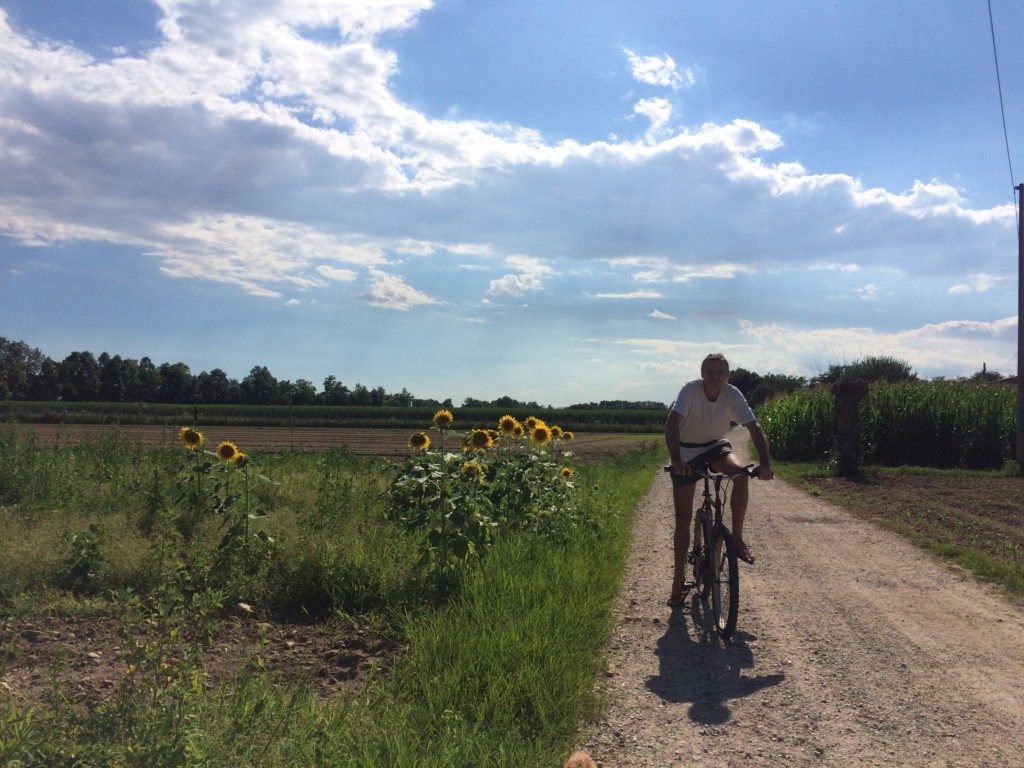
x,y
848,396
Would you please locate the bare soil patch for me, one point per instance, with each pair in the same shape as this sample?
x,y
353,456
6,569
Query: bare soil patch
x,y
391,443
967,511
85,655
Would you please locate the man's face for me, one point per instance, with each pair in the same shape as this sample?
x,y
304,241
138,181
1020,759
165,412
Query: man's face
x,y
714,373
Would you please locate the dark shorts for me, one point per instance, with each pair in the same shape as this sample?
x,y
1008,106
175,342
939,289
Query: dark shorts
x,y
703,462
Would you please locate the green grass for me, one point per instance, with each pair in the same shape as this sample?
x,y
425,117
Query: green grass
x,y
499,673
954,513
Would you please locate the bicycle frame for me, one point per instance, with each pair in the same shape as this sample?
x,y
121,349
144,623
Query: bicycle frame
x,y
716,568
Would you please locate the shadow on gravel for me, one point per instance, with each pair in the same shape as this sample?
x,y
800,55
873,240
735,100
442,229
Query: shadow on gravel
x,y
696,666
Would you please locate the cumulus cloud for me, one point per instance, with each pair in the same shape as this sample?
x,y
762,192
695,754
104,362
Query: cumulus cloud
x,y
657,314
530,270
659,70
955,345
389,291
260,144
978,283
658,111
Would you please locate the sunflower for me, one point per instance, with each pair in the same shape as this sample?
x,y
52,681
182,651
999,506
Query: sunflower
x,y
532,422
540,434
419,441
480,440
443,419
567,435
472,470
507,425
466,446
191,438
240,459
566,472
517,430
556,432
227,451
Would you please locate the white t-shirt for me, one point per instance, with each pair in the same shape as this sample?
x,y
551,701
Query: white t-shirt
x,y
705,421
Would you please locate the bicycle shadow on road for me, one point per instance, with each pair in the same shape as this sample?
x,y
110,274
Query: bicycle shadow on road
x,y
695,665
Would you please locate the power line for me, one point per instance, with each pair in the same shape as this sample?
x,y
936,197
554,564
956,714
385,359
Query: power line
x,y
999,84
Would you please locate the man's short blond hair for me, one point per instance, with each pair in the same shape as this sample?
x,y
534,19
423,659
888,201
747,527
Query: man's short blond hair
x,y
714,357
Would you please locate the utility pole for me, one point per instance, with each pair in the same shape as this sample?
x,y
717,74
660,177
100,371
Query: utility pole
x,y
1020,326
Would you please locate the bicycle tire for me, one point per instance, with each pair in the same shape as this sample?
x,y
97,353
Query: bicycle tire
x,y
707,571
725,584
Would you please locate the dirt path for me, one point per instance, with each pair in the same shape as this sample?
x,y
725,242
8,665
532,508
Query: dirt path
x,y
854,648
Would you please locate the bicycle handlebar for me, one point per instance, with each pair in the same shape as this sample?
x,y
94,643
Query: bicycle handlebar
x,y
750,471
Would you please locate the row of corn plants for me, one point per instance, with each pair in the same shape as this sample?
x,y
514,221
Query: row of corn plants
x,y
931,424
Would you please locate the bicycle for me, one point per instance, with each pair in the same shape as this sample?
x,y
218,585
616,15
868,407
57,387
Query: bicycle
x,y
716,576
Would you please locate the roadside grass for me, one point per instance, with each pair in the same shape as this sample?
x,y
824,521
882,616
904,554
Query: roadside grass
x,y
498,673
974,518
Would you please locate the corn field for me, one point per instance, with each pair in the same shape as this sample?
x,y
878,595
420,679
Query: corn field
x,y
929,424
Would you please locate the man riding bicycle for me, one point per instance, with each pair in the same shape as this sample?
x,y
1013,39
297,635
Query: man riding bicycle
x,y
694,436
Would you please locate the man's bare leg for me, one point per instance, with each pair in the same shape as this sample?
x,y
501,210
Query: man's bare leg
x,y
738,497
682,500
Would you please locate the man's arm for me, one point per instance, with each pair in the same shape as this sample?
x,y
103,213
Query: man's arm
x,y
764,469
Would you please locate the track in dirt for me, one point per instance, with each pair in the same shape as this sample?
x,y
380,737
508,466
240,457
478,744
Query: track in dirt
x,y
854,648
390,443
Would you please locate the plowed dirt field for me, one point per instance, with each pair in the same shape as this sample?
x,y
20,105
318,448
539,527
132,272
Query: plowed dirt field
x,y
380,442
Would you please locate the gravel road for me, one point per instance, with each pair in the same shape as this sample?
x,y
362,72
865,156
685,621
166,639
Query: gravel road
x,y
853,648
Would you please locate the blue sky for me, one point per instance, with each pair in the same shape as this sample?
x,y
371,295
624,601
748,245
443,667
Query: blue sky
x,y
561,202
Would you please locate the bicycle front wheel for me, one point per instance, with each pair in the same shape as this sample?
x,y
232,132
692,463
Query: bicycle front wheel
x,y
705,569
725,584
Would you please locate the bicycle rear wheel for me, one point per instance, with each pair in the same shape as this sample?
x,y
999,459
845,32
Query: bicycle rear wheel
x,y
725,583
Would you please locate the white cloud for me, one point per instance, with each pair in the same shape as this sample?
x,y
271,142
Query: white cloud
x,y
979,283
530,270
391,292
334,273
659,70
657,314
630,295
658,111
957,346
867,292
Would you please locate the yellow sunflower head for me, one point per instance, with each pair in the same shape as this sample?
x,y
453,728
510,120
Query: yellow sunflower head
x,y
240,459
567,435
480,440
507,425
540,434
227,451
532,422
517,430
566,472
472,470
556,432
443,419
466,445
419,441
191,438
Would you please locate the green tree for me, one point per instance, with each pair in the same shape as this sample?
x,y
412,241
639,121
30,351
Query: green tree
x,y
259,387
19,366
176,383
868,370
79,376
335,393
